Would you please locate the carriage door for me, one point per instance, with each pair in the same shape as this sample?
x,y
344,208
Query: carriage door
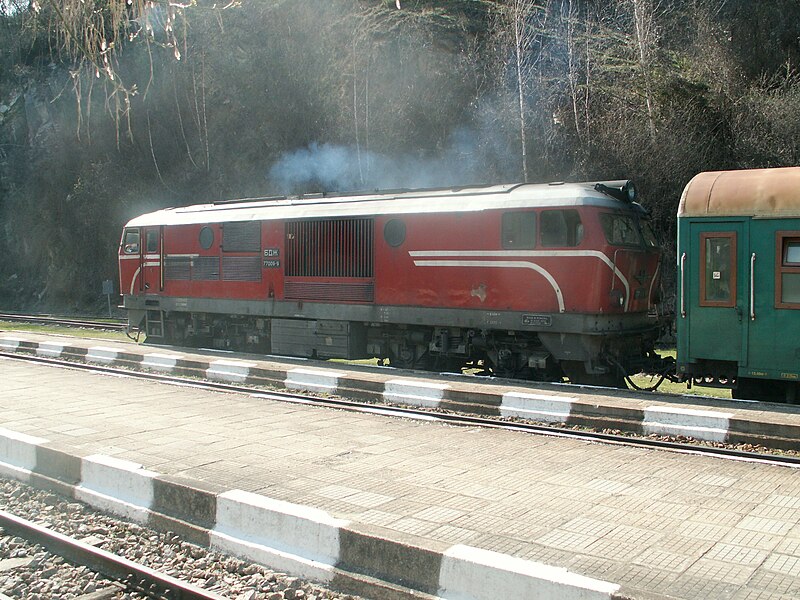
x,y
153,244
717,302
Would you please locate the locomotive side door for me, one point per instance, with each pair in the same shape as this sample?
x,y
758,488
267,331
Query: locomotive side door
x,y
152,254
714,297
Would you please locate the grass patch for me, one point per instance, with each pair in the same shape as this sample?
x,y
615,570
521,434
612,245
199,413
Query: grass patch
x,y
117,336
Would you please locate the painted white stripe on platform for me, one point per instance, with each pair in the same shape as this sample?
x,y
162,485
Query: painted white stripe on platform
x,y
538,407
52,349
101,354
706,425
119,486
473,574
160,362
229,370
18,454
416,393
288,537
313,380
7,343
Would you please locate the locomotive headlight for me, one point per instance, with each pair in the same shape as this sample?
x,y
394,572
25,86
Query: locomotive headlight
x,y
629,191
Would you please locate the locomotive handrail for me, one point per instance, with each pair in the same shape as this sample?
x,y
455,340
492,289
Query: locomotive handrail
x,y
683,286
614,269
753,287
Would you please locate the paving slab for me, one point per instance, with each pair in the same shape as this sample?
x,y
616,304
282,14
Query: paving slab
x,y
442,500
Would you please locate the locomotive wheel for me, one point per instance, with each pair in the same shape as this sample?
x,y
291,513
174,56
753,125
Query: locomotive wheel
x,y
576,372
408,357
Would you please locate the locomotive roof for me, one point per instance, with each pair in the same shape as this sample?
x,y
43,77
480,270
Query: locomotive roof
x,y
468,199
753,193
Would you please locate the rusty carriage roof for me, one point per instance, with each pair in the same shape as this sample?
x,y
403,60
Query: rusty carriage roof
x,y
745,193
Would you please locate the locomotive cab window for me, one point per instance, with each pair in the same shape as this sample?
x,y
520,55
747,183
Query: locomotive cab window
x,y
130,245
787,277
519,230
560,228
718,269
151,240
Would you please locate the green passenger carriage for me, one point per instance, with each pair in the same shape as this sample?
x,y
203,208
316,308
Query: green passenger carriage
x,y
738,312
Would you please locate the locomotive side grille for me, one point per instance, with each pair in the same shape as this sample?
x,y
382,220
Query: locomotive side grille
x,y
205,268
329,291
244,236
197,268
241,268
329,248
177,268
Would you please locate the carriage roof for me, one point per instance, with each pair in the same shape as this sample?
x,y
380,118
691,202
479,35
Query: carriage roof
x,y
753,193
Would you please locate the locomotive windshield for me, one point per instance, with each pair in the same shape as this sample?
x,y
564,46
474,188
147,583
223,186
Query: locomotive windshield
x,y
627,230
650,239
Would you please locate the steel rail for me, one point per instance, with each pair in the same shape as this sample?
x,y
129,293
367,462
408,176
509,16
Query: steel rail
x,y
427,415
132,575
48,320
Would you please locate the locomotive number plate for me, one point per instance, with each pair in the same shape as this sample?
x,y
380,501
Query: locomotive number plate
x,y
537,320
272,264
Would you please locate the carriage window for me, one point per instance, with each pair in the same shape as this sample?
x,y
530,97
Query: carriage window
x,y
130,244
787,284
561,228
519,230
152,241
621,230
718,269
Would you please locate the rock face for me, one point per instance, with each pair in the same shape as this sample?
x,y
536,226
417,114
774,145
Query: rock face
x,y
37,176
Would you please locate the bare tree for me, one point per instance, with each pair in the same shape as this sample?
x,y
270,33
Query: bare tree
x,y
526,22
644,12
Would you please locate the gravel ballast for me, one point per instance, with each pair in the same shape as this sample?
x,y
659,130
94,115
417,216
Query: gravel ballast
x,y
31,572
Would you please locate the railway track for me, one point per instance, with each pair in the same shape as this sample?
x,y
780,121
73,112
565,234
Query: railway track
x,y
131,576
111,324
428,414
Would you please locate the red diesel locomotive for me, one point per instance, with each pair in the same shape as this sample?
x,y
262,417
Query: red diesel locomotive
x,y
538,281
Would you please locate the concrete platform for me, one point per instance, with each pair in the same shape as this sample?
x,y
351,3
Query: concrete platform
x,y
397,508
702,418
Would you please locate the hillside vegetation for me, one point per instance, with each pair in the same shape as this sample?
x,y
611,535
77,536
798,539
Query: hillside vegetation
x,y
109,110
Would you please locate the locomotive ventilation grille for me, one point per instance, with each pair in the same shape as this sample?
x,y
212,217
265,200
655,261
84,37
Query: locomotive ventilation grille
x,y
207,268
197,268
333,251
329,248
241,236
241,268
329,291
